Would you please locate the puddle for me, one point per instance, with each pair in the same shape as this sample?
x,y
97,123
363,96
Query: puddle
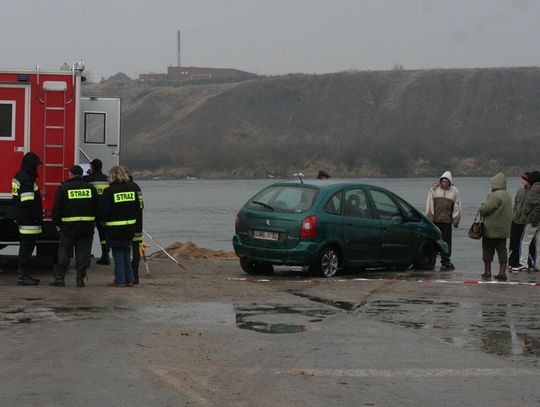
x,y
501,329
19,315
278,319
344,305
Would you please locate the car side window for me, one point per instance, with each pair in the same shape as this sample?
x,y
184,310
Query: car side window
x,y
386,207
355,204
334,204
410,213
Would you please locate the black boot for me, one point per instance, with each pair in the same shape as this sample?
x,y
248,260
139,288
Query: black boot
x,y
25,279
81,277
487,271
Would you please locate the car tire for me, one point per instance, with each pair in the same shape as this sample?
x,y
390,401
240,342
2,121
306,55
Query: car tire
x,y
253,268
426,256
327,263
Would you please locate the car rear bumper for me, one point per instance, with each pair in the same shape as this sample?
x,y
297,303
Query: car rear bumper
x,y
302,254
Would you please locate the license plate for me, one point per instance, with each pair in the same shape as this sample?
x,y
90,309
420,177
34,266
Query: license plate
x,y
264,235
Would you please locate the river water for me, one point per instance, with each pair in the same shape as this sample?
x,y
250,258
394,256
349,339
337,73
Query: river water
x,y
204,211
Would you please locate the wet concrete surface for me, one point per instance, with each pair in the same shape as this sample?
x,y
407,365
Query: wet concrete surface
x,y
215,336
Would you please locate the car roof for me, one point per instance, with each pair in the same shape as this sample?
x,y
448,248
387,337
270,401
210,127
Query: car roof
x,y
328,184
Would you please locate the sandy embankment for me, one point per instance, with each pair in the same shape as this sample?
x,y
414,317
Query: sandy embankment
x,y
190,251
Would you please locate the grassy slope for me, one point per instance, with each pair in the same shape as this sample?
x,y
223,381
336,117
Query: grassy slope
x,y
397,123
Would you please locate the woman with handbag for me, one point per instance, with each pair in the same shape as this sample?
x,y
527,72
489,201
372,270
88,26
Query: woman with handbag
x,y
497,220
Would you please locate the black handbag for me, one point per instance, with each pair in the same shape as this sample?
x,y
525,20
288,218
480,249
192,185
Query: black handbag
x,y
476,229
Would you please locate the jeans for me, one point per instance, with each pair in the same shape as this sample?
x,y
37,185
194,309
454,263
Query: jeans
x,y
123,273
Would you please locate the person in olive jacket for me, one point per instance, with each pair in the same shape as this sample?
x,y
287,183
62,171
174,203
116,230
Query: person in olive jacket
x,y
74,213
121,209
28,214
497,214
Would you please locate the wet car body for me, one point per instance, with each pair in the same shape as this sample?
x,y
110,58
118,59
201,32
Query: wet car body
x,y
328,225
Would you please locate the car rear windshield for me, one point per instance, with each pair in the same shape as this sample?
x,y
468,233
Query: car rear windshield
x,y
284,198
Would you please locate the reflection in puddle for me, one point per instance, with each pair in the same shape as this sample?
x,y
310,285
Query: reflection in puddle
x,y
345,305
501,329
278,319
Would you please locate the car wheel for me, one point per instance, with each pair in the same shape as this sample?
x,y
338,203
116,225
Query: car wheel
x,y
253,267
327,264
426,256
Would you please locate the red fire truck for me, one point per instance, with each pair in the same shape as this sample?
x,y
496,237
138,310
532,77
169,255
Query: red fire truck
x,y
43,111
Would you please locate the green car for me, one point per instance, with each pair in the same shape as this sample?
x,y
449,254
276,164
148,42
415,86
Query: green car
x,y
328,226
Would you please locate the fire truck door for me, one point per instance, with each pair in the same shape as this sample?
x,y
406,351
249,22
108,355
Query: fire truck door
x,y
100,131
13,132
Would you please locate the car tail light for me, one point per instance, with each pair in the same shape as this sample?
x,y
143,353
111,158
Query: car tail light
x,y
308,229
237,223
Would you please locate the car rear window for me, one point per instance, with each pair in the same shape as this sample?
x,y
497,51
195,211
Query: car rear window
x,y
284,198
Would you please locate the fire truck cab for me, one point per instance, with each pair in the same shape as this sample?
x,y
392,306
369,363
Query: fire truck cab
x,y
43,111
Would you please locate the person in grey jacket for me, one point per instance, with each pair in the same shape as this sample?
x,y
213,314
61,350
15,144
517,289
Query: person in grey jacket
x,y
497,214
531,213
518,222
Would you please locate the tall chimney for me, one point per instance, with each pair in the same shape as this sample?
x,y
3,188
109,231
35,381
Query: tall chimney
x,y
178,42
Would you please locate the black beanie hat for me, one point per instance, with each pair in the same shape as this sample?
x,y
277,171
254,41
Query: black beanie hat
x,y
76,170
97,164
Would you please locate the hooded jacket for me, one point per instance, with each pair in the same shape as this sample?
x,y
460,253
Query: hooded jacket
x,y
531,204
27,197
497,209
443,205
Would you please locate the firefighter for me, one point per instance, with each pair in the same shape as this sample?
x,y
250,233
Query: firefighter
x,y
74,214
121,209
138,236
99,181
28,214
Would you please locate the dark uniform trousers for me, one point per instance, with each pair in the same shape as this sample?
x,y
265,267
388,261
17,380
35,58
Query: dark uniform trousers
x,y
446,231
83,249
27,244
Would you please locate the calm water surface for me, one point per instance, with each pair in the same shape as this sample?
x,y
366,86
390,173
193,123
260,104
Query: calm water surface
x,y
204,211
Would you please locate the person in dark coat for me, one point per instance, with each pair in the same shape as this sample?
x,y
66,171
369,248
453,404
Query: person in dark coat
x,y
518,223
74,213
322,174
28,214
138,235
531,214
121,209
99,181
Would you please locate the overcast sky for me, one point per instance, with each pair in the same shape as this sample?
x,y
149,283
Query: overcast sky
x,y
269,36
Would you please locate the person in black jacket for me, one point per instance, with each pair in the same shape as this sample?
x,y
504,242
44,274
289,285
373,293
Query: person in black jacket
x,y
138,235
74,213
28,214
100,182
121,209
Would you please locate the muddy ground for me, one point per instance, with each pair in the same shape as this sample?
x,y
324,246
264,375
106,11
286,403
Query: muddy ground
x,y
212,337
